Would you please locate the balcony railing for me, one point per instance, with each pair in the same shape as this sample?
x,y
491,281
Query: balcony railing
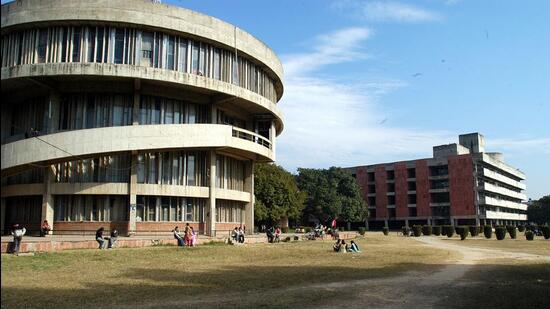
x,y
251,136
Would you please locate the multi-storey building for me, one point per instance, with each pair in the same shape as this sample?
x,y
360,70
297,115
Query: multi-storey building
x,y
132,114
460,184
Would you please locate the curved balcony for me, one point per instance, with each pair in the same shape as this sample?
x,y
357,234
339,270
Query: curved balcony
x,y
58,147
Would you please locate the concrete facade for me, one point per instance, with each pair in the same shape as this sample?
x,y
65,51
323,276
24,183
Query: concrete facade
x,y
132,115
460,184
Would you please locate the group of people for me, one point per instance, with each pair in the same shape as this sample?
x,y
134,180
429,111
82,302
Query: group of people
x,y
273,234
109,241
189,237
342,247
237,235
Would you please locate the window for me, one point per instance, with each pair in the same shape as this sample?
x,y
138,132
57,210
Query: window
x,y
42,45
411,186
100,44
191,170
391,199
76,44
182,55
411,173
412,211
370,176
119,45
147,49
195,58
216,68
412,199
170,53
390,175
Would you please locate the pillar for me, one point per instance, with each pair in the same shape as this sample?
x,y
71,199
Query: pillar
x,y
249,207
478,222
132,188
407,222
47,198
386,223
210,210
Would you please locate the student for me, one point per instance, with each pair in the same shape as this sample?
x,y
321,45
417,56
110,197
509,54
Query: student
x,y
193,237
45,229
177,236
235,234
270,234
113,239
241,235
353,247
277,234
336,247
18,232
344,247
188,237
99,238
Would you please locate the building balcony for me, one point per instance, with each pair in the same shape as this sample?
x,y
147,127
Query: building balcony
x,y
504,215
487,200
439,190
390,193
501,178
411,192
411,205
441,204
438,177
502,191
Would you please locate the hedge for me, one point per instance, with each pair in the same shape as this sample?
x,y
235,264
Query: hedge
x,y
436,230
521,228
512,231
488,231
546,231
474,230
427,230
529,235
386,231
417,230
500,231
450,231
406,231
362,231
462,231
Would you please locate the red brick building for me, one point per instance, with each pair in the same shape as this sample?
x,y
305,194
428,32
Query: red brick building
x,y
460,184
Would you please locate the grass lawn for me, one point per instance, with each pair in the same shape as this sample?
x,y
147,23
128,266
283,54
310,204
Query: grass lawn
x,y
539,245
260,275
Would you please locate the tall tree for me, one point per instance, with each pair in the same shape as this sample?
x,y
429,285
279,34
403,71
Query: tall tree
x,y
539,211
277,195
332,193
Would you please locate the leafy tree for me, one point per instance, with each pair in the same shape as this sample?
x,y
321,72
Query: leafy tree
x,y
332,193
277,195
539,210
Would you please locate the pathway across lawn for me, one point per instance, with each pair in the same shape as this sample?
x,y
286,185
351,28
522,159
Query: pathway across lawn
x,y
391,272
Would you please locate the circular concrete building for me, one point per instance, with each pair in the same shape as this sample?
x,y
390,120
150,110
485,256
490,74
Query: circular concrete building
x,y
132,115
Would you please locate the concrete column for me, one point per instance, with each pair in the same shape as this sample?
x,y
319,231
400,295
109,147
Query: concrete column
x,y
407,222
386,222
249,207
3,216
210,210
133,197
47,198
478,222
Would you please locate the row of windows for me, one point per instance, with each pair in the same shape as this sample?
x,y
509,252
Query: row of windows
x,y
173,168
23,210
85,111
131,46
114,168
164,208
230,173
35,175
229,211
76,208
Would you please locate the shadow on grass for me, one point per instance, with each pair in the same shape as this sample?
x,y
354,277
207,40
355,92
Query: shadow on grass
x,y
524,286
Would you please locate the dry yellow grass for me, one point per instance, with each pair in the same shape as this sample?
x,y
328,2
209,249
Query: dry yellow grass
x,y
214,276
539,246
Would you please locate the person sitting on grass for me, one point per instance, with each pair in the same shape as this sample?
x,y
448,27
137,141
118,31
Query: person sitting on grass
x,y
353,247
45,229
193,237
277,234
344,247
235,234
337,246
270,234
178,237
240,234
99,238
113,239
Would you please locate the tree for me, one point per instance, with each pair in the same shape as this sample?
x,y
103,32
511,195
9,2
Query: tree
x,y
539,210
332,193
277,195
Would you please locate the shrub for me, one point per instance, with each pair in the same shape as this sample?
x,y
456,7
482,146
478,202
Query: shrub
x,y
417,230
521,228
462,231
512,231
546,231
406,231
386,230
361,231
529,235
450,231
427,230
488,231
500,231
474,230
308,229
436,230
456,229
284,229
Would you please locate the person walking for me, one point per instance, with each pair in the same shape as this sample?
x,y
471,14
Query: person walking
x,y
18,232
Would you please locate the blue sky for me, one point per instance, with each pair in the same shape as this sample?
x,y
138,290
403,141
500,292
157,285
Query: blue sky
x,y
380,81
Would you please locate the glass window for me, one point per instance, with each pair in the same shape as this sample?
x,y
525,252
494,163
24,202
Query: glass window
x,y
195,58
182,56
192,115
91,44
191,170
100,42
42,44
76,44
216,68
170,53
146,49
169,112
119,45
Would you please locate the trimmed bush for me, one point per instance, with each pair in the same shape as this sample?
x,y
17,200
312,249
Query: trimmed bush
x,y
529,235
462,231
521,228
427,230
361,231
474,230
406,231
386,231
417,230
456,229
284,229
512,231
488,231
500,232
308,229
546,231
450,231
436,230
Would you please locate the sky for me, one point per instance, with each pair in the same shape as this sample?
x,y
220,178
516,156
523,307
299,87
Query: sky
x,y
380,81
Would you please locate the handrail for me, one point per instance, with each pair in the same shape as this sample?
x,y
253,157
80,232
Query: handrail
x,y
251,136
